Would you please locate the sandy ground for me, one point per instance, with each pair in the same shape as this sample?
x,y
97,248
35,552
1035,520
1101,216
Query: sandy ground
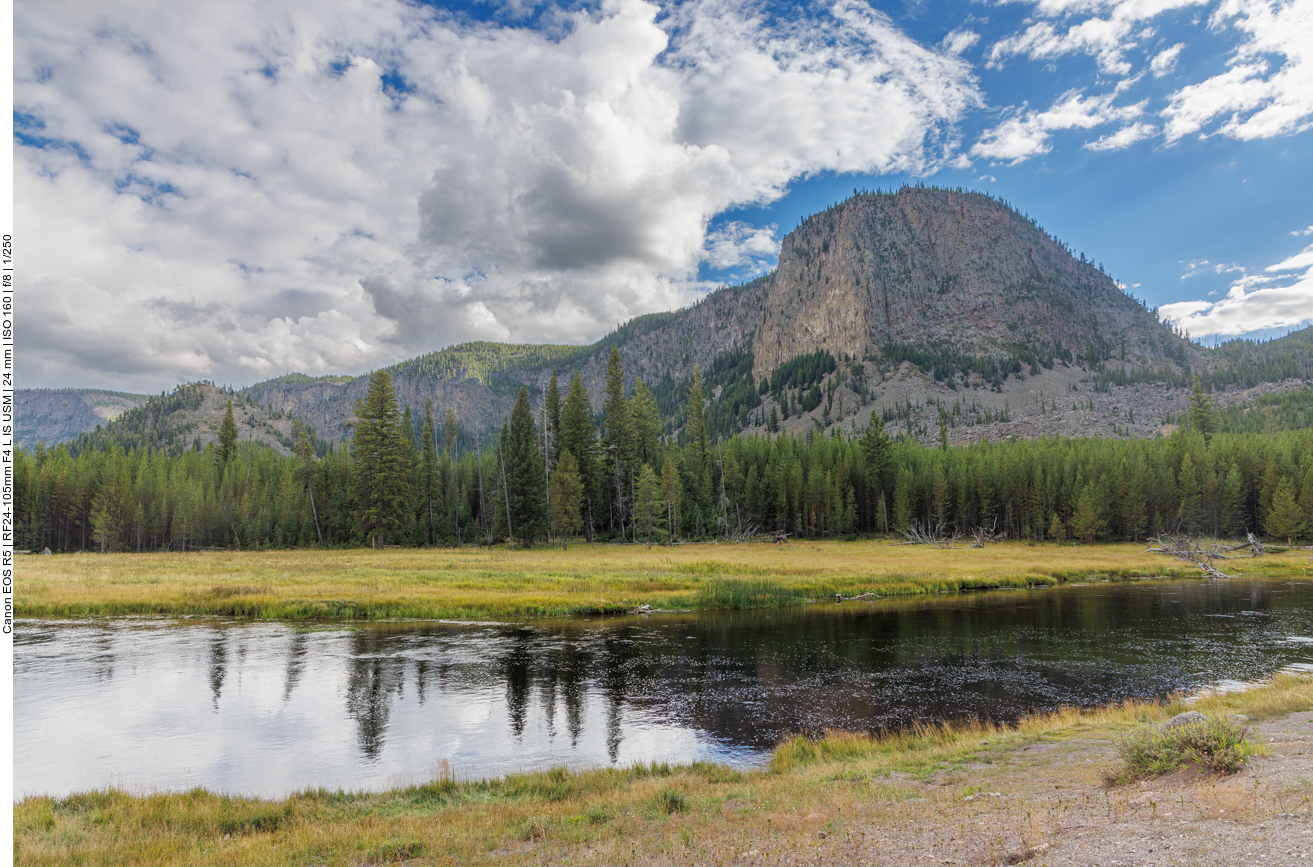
x,y
1046,804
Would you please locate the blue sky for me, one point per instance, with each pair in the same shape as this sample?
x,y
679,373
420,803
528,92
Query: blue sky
x,y
238,190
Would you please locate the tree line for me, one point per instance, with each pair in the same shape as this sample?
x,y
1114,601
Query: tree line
x,y
554,474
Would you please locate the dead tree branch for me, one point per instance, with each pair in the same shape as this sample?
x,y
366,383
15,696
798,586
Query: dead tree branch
x,y
1186,549
936,536
986,534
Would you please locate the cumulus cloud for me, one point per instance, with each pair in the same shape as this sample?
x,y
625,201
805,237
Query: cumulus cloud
x,y
1253,99
1028,133
235,190
1274,299
1106,30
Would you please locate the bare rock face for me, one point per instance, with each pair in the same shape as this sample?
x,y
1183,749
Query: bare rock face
x,y
942,268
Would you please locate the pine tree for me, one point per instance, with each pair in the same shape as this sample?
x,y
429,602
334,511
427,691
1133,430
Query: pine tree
x,y
579,437
618,438
647,425
1191,496
1285,520
1203,418
305,454
378,474
430,484
697,459
1233,503
227,435
671,492
552,402
1088,521
1057,530
566,496
877,453
647,500
525,487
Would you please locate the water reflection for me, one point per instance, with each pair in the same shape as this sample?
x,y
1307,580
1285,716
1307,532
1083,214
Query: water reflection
x,y
139,701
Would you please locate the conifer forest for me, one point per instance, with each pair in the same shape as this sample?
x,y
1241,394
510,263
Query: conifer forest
x,y
562,473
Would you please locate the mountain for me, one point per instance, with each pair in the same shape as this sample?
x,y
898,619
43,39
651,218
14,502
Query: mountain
x,y
931,307
53,415
958,283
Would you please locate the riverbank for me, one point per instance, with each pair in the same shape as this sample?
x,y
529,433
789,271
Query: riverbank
x,y
481,583
968,794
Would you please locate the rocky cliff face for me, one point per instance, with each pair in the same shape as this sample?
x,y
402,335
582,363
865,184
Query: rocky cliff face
x,y
941,268
54,415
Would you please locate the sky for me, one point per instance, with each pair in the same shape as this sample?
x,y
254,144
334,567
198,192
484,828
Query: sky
x,y
236,190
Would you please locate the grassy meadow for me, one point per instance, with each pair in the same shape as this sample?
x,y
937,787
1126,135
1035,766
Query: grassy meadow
x,y
498,583
842,786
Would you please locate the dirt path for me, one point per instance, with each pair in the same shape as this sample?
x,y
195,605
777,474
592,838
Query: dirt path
x,y
1045,804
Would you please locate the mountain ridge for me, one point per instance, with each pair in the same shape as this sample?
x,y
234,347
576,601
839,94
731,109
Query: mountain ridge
x,y
917,296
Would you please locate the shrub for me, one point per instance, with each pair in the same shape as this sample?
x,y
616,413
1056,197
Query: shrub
x,y
1215,745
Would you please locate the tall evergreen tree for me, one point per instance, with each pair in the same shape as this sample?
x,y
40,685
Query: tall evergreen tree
x,y
430,481
876,450
579,437
697,461
552,404
647,425
1203,418
567,492
305,454
227,435
379,471
1285,520
647,500
526,489
617,438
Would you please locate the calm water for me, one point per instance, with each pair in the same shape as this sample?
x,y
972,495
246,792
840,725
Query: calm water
x,y
266,708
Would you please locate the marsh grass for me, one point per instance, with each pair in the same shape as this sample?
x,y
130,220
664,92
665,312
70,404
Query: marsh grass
x,y
492,584
1215,745
611,815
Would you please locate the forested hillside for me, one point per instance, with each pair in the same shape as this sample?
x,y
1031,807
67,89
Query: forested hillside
x,y
556,473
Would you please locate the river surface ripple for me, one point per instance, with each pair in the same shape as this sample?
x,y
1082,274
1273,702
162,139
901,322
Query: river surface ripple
x,y
269,708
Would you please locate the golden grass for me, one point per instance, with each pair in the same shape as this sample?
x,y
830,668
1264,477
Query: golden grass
x,y
481,583
601,816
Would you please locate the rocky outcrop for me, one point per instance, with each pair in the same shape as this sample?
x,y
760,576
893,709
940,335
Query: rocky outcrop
x,y
940,268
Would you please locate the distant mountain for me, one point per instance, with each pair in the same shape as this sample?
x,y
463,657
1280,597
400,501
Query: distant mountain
x,y
929,307
54,415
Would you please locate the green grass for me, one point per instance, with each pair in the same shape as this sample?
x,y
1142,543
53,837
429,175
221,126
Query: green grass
x,y
498,584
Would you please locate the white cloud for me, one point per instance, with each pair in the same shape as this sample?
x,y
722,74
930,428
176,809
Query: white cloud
x,y
736,244
1027,134
1111,29
1254,303
233,190
1298,232
959,40
1165,61
1251,99
1124,137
